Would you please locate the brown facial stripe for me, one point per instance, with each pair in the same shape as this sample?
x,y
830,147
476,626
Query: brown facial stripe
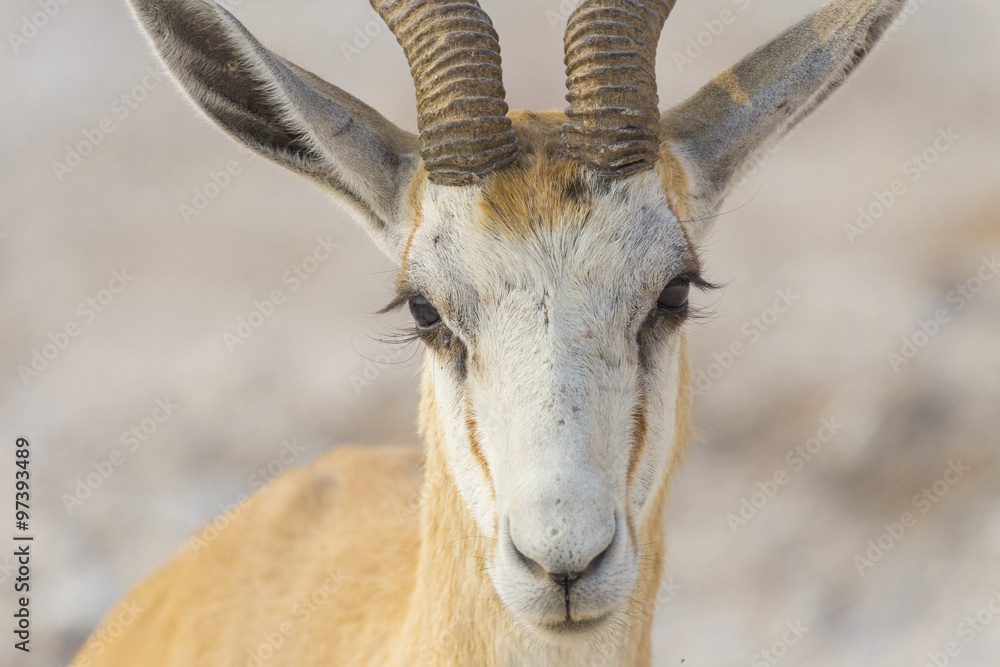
x,y
675,182
472,430
639,434
414,211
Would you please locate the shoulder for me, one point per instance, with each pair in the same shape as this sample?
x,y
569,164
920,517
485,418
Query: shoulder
x,y
347,489
344,526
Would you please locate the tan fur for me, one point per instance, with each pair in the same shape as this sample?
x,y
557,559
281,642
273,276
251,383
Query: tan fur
x,y
729,82
294,540
542,188
472,429
392,581
365,558
675,182
414,211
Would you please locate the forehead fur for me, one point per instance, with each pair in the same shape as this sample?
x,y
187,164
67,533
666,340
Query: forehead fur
x,y
541,195
542,188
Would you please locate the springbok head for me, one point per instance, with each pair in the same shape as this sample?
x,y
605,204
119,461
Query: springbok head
x,y
546,258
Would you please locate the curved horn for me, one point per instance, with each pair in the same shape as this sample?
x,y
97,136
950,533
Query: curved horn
x,y
454,57
614,118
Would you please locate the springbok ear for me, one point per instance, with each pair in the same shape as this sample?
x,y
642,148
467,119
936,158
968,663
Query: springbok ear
x,y
287,114
719,131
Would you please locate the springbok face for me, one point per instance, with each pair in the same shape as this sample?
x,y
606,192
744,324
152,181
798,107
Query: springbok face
x,y
546,258
552,304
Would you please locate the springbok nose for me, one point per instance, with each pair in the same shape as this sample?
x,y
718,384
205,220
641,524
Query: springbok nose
x,y
564,531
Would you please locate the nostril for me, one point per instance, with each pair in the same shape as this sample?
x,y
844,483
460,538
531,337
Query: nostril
x,y
559,548
533,566
567,579
562,578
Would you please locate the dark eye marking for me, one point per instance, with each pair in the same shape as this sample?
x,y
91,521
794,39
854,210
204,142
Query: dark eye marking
x,y
672,309
674,297
428,326
673,305
424,314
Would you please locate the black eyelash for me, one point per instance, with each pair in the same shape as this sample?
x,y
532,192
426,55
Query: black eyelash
x,y
398,301
690,313
395,337
700,313
407,334
399,336
695,279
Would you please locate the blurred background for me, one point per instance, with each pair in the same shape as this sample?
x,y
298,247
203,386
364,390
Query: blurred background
x,y
133,223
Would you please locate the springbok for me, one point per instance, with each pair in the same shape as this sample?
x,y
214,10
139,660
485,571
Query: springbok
x,y
546,260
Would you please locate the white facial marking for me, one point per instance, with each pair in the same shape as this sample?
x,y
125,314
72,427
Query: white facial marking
x,y
557,390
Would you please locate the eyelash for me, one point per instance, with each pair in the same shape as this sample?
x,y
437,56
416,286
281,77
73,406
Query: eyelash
x,y
440,333
697,281
667,321
404,335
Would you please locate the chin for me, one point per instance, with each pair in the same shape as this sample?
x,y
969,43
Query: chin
x,y
595,618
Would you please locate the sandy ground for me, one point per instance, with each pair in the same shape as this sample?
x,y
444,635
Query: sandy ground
x,y
316,374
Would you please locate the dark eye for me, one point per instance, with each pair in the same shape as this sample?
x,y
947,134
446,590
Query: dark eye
x,y
424,314
674,297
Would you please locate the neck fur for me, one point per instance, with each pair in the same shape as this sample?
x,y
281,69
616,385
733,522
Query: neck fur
x,y
455,617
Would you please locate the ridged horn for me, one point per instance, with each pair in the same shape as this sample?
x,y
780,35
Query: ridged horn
x,y
614,116
454,57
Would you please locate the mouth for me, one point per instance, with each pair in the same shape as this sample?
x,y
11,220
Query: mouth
x,y
572,627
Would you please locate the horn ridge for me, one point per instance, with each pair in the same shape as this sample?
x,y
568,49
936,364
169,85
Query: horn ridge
x,y
454,55
613,116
